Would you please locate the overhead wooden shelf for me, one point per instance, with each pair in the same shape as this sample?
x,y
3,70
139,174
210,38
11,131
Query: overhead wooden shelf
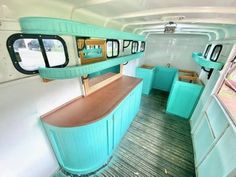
x,y
55,26
81,70
199,59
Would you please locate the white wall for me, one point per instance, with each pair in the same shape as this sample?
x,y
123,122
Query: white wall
x,y
25,151
24,147
174,49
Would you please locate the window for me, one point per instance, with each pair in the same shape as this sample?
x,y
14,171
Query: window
x,y
216,52
207,51
113,48
142,46
134,48
214,57
127,47
31,51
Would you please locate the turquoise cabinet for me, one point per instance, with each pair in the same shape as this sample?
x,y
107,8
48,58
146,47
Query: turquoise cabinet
x,y
146,73
213,141
183,98
204,100
84,149
217,118
221,161
202,140
163,78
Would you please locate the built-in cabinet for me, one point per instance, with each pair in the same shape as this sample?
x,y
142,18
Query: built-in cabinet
x,y
83,145
221,160
185,89
146,73
163,78
184,95
156,77
213,126
214,142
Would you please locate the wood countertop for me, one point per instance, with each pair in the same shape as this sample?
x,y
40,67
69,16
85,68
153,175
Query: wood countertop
x,y
85,110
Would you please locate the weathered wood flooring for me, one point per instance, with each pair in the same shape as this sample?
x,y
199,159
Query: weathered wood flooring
x,y
156,144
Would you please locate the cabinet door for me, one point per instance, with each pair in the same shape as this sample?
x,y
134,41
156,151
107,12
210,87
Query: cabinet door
x,y
217,118
163,78
202,140
147,76
118,130
221,161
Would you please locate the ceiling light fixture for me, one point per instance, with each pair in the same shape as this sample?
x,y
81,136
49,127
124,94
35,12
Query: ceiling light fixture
x,y
170,27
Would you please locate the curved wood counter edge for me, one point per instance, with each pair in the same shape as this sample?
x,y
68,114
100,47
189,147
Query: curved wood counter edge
x,y
86,110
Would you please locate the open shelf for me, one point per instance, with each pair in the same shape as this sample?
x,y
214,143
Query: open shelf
x,y
82,70
199,59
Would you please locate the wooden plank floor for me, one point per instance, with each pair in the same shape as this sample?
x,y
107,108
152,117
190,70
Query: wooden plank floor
x,y
156,144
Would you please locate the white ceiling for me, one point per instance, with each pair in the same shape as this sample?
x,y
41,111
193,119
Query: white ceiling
x,y
214,18
146,16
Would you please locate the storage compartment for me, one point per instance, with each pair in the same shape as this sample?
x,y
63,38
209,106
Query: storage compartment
x,y
189,76
163,78
146,72
184,95
202,140
217,118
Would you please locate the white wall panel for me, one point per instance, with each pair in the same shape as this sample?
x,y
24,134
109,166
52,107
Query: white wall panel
x,y
174,49
24,150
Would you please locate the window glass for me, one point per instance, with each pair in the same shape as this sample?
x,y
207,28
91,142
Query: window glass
x,y
28,54
55,52
216,52
142,47
207,51
112,48
115,48
127,46
134,48
31,51
109,49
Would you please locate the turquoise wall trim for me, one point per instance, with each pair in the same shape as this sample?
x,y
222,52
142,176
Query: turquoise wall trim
x,y
81,70
199,59
46,25
84,149
147,75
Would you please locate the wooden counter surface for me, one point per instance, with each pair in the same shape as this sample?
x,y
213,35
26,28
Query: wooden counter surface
x,y
89,109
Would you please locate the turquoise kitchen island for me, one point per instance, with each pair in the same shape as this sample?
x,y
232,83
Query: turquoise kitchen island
x,y
85,132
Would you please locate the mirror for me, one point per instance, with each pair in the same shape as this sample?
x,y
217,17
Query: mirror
x,y
91,50
99,79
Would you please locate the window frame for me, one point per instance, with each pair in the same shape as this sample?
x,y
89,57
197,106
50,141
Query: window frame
x,y
133,50
126,46
118,47
10,42
218,45
207,51
144,46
